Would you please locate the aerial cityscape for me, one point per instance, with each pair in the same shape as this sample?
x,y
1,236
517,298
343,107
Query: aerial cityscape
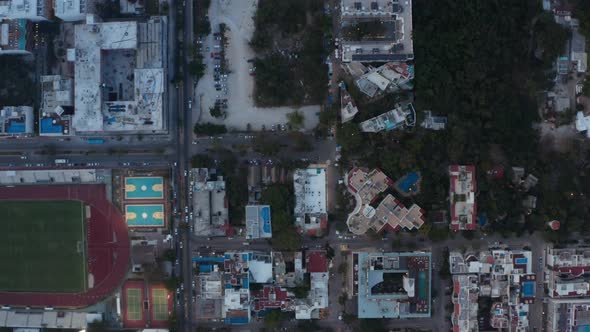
x,y
294,165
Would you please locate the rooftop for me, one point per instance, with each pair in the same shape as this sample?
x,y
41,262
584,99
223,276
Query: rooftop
x,y
210,205
16,120
258,222
396,19
310,198
394,119
394,285
462,196
119,75
57,105
348,106
15,36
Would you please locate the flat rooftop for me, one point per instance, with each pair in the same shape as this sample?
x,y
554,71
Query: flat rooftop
x,y
119,76
395,45
393,285
16,120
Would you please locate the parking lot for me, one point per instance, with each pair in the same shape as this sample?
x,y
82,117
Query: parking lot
x,y
233,93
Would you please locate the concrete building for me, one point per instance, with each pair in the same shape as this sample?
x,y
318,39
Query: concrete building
x,y
16,121
567,272
210,206
505,276
316,264
348,107
37,320
433,122
392,41
209,295
390,212
465,296
583,123
310,187
578,52
15,37
57,105
394,119
33,10
72,10
388,78
120,77
567,315
258,222
462,196
392,284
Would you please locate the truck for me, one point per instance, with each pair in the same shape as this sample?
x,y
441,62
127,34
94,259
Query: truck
x,y
95,141
61,161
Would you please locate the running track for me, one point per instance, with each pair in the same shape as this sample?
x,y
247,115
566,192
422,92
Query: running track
x,y
107,245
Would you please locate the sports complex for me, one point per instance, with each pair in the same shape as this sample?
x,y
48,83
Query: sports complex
x,y
60,245
144,202
140,308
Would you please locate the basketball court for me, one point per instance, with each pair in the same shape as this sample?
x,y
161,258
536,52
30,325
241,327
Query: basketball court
x,y
144,187
144,215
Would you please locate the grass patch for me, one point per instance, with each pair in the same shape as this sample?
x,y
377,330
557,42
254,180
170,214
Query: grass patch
x,y
42,246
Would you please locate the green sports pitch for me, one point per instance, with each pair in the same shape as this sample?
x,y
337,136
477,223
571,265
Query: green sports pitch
x,y
42,246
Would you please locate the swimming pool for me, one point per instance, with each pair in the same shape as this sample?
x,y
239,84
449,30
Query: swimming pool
x,y
521,261
528,289
409,183
422,286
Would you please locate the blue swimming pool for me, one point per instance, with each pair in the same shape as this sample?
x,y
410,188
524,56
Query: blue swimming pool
x,y
521,261
583,328
265,216
528,289
409,183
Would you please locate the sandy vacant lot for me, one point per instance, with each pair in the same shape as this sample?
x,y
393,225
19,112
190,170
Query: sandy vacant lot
x,y
237,15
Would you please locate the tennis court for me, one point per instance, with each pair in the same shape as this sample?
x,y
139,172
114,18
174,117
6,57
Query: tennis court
x,y
134,311
42,246
159,304
144,215
144,187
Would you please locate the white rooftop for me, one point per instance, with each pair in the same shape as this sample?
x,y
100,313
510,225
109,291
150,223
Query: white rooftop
x,y
310,190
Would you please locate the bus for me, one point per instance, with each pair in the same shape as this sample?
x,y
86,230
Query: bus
x,y
95,141
61,161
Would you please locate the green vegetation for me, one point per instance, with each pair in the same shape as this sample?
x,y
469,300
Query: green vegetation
x,y
217,112
196,67
15,81
280,198
476,64
201,161
296,119
42,246
297,75
209,129
201,24
274,318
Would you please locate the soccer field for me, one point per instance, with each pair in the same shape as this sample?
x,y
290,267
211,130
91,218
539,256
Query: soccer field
x,y
42,246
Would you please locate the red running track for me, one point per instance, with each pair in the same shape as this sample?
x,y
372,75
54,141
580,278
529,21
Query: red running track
x,y
107,245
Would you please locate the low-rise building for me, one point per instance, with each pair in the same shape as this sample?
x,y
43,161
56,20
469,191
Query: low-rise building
x,y
386,27
462,197
15,37
567,272
258,222
394,119
390,77
392,284
433,122
465,305
348,107
390,212
310,211
317,301
210,205
504,275
16,121
57,105
32,10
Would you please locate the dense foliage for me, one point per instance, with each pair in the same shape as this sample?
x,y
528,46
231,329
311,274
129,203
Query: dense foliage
x,y
289,42
281,200
481,64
